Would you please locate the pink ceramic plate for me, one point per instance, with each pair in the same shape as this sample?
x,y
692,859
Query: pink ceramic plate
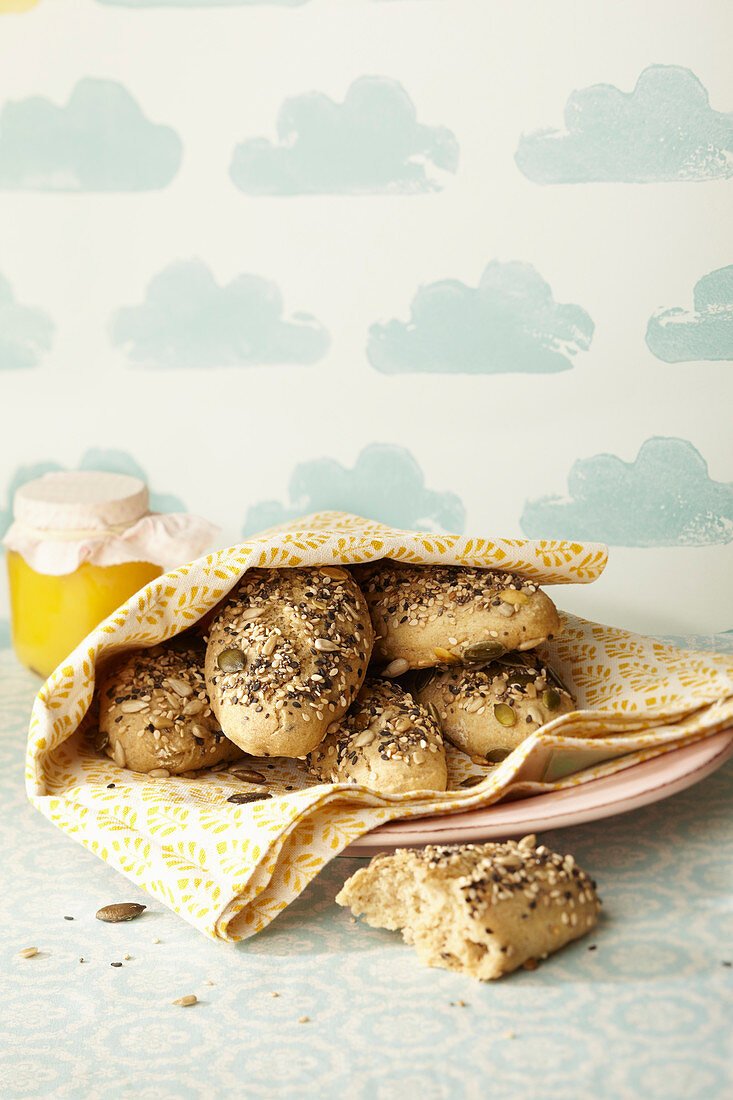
x,y
615,794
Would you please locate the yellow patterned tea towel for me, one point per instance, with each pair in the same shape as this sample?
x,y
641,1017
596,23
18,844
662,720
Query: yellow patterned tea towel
x,y
229,869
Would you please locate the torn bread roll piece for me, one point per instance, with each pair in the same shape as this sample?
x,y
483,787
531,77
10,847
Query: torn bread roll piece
x,y
482,909
488,711
427,615
286,656
155,715
387,742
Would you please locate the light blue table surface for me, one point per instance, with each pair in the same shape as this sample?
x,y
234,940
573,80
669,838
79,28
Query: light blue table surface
x,y
644,1014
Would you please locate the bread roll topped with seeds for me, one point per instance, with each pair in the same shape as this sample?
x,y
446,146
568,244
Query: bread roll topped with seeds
x,y
482,909
286,656
488,711
154,712
426,615
386,742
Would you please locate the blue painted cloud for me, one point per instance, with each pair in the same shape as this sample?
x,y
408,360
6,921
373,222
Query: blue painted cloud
x,y
24,332
371,143
509,323
188,320
679,336
664,498
664,130
386,484
109,461
100,141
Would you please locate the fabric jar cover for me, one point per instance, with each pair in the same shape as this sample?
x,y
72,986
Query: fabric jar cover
x,y
229,869
64,519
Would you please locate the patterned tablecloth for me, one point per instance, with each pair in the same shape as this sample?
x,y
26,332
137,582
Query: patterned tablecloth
x,y
640,1009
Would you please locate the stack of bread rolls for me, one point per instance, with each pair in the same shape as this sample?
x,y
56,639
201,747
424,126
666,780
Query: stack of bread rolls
x,y
360,671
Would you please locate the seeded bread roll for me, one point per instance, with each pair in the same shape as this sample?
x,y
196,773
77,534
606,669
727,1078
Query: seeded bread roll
x,y
489,711
286,657
386,742
154,712
482,909
425,615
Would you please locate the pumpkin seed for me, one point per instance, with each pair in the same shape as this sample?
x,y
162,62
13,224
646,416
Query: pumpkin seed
x,y
241,799
445,656
505,714
517,677
121,910
481,652
555,677
231,660
472,781
419,679
185,1002
509,595
495,756
551,699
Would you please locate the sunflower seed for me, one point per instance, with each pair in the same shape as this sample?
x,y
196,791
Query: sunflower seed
x,y
396,667
193,706
248,775
119,911
325,645
251,613
132,706
28,952
119,755
185,1002
159,773
180,687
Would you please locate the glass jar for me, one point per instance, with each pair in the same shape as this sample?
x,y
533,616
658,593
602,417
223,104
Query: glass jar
x,y
80,545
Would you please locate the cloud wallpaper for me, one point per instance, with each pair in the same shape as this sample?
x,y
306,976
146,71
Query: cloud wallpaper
x,y
99,141
371,143
510,322
385,484
665,497
189,320
664,130
277,256
25,332
678,335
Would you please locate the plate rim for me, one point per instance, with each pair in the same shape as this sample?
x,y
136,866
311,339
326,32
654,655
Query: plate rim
x,y
448,828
